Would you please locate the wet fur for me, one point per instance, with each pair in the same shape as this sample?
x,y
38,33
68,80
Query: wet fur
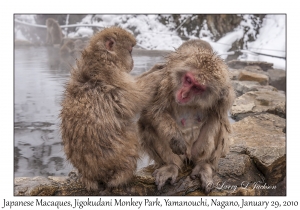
x,y
202,142
99,110
54,33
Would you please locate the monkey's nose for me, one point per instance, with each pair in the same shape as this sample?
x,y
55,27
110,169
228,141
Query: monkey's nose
x,y
184,95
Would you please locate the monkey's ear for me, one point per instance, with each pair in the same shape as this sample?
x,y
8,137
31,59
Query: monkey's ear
x,y
109,44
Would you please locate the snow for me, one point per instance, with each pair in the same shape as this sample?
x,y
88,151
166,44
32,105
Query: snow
x,y
224,44
271,40
153,35
82,32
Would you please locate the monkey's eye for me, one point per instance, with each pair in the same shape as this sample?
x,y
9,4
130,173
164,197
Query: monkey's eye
x,y
188,80
197,88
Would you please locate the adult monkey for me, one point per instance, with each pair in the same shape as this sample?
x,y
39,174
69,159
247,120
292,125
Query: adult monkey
x,y
188,116
100,104
54,33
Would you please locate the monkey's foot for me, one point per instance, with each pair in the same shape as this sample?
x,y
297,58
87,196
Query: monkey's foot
x,y
164,173
120,178
178,146
204,172
90,185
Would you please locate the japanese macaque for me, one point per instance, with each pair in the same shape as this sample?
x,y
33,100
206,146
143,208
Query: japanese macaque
x,y
98,116
188,116
69,52
54,33
68,55
67,49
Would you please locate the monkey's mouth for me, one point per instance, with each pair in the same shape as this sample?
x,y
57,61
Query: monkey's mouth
x,y
185,98
181,100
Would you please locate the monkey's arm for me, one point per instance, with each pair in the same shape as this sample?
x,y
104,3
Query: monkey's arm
x,y
149,82
168,129
212,143
156,67
159,150
47,38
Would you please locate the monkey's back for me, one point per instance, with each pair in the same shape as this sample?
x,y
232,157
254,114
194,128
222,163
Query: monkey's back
x,y
97,140
54,33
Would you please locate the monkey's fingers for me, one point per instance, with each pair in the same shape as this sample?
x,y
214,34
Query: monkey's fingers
x,y
160,179
205,177
161,182
178,146
195,173
207,187
155,172
206,182
194,176
173,179
164,173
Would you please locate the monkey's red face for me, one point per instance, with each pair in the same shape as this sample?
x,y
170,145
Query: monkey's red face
x,y
189,89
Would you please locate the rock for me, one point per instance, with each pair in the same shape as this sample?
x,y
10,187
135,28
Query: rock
x,y
257,102
261,138
255,165
34,186
242,87
236,64
236,175
280,189
250,76
229,180
234,74
256,69
253,68
22,43
277,78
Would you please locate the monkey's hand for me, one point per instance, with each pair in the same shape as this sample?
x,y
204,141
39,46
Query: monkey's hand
x,y
204,173
164,173
178,145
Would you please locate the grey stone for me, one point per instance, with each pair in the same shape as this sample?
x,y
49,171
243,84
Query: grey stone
x,y
277,78
256,102
242,87
250,76
262,138
236,64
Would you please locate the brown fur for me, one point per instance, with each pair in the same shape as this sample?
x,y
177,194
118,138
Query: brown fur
x,y
98,111
203,142
196,43
54,33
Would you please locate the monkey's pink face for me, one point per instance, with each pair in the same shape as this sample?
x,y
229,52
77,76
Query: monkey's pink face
x,y
189,89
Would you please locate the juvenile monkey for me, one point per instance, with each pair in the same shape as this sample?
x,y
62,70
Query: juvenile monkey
x,y
187,118
54,33
100,103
